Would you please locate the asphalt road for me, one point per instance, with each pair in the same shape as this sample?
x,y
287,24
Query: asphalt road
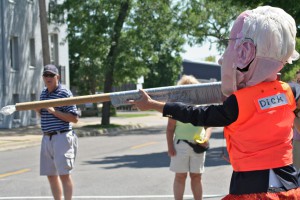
x,y
129,164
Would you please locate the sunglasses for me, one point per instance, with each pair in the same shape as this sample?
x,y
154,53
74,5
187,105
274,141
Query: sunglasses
x,y
225,41
49,75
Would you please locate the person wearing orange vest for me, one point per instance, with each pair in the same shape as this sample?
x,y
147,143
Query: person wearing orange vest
x,y
259,110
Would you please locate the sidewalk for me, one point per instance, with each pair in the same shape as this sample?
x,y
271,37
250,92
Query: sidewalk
x,y
31,136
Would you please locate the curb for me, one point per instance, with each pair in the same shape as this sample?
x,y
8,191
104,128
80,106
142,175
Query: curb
x,y
23,140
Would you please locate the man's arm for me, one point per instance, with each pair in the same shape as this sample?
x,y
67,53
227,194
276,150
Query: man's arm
x,y
211,116
68,117
208,131
170,136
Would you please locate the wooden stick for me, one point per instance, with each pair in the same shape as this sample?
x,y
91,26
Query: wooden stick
x,y
63,102
194,93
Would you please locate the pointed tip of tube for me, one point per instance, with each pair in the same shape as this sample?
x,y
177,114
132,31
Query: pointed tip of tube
x,y
8,110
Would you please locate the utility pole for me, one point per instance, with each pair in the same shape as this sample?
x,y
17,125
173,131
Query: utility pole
x,y
44,32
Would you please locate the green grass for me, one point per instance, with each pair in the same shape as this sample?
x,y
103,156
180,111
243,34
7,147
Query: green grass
x,y
99,126
133,115
126,115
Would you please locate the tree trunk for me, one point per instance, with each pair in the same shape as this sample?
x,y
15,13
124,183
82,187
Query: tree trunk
x,y
44,32
111,59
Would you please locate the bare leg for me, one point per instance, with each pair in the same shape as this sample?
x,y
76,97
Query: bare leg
x,y
196,186
179,185
67,184
55,187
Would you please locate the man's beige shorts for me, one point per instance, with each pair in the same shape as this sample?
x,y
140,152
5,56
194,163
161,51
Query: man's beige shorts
x,y
58,154
186,160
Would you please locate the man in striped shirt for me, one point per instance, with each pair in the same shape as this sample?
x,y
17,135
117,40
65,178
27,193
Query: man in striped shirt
x,y
59,143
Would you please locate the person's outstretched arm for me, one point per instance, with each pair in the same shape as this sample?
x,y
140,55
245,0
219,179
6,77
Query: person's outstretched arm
x,y
146,103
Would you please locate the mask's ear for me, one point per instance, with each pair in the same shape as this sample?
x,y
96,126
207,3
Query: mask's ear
x,y
246,53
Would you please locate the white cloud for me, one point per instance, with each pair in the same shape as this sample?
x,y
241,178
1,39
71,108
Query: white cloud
x,y
199,53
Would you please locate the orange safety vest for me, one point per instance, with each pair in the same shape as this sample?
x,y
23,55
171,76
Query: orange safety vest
x,y
261,137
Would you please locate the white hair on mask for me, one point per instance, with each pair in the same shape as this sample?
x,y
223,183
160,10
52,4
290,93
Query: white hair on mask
x,y
273,31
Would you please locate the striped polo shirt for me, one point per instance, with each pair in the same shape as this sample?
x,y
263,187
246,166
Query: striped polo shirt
x,y
49,122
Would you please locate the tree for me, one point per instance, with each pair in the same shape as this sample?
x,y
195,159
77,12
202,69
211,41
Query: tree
x,y
118,41
44,32
111,58
289,71
115,42
210,21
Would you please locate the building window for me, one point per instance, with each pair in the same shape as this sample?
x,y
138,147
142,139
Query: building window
x,y
33,98
16,100
62,73
32,52
11,4
14,53
54,49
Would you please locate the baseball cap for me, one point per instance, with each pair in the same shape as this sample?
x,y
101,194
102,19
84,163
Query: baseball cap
x,y
51,68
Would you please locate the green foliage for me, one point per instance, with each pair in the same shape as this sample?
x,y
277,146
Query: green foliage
x,y
133,115
210,59
149,43
115,42
289,71
151,38
155,42
210,21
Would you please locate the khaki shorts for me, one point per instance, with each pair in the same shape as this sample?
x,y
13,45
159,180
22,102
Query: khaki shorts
x,y
186,160
58,154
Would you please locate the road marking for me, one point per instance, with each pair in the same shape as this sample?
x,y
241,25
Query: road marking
x,y
117,197
14,173
143,145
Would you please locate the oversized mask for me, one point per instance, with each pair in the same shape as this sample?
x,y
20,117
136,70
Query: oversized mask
x,y
261,42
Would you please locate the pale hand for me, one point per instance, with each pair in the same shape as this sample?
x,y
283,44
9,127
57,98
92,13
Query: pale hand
x,y
144,103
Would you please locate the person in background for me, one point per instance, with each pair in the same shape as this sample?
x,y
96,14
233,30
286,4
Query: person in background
x,y
59,142
296,136
183,159
258,114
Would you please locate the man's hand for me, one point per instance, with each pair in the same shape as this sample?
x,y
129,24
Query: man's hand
x,y
50,110
146,103
171,151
